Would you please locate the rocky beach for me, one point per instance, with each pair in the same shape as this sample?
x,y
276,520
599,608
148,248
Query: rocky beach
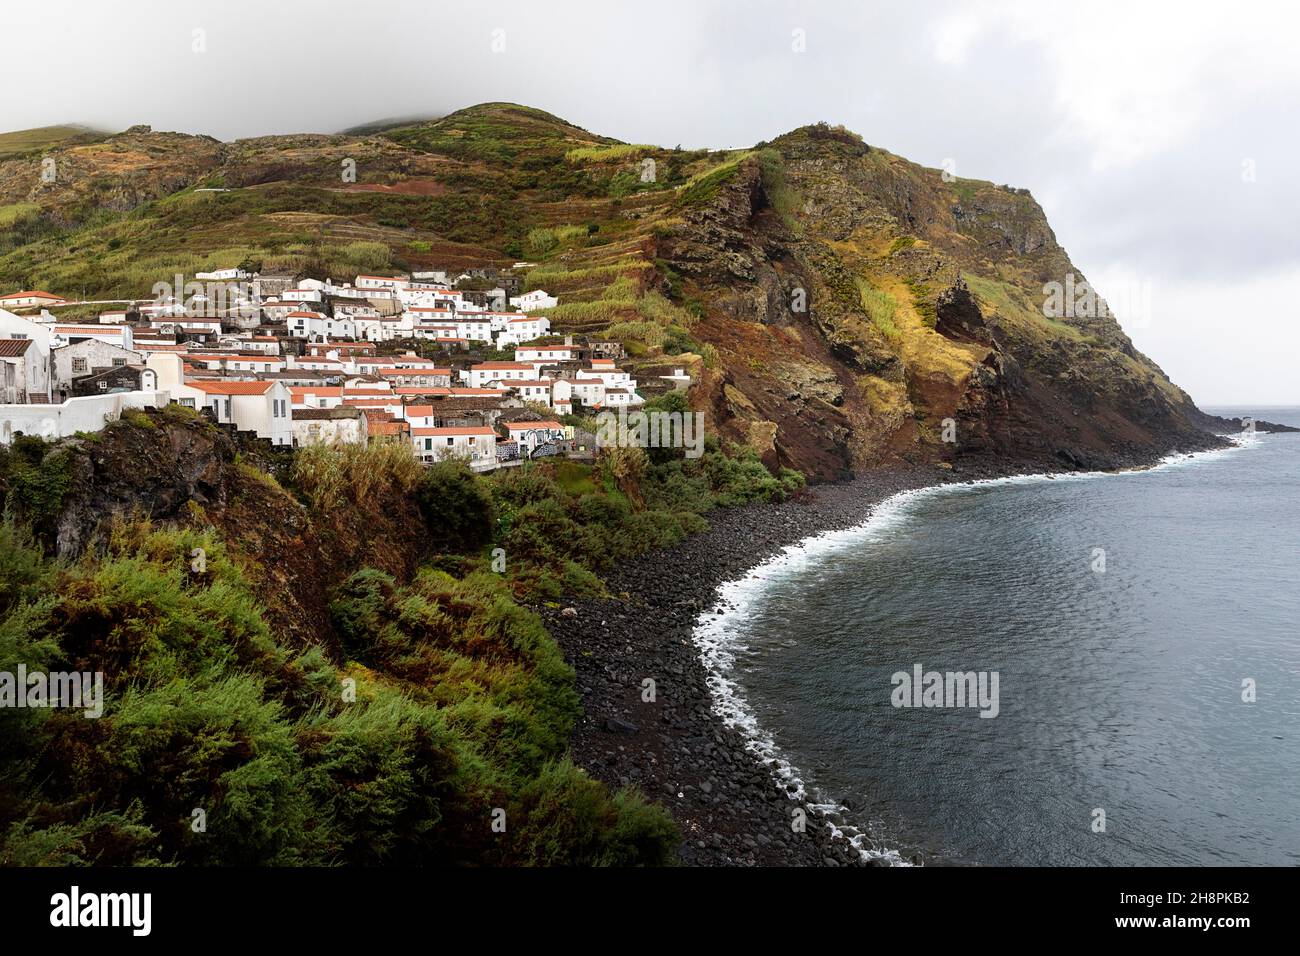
x,y
675,748
731,808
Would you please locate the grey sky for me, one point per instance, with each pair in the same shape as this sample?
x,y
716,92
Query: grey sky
x,y
1158,136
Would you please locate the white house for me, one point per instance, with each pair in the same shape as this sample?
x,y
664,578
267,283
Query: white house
x,y
355,310
277,311
531,435
321,363
200,327
301,295
546,354
523,330
530,301
533,390
381,283
266,344
478,444
38,367
222,275
475,327
329,426
589,392
13,371
486,373
264,408
305,325
85,355
253,363
420,416
382,328
612,377
615,397
28,300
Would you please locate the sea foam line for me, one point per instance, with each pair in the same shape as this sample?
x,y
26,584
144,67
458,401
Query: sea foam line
x,y
719,631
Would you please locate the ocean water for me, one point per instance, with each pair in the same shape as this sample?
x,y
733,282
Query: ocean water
x,y
1125,616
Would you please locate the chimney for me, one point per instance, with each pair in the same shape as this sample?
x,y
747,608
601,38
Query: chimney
x,y
568,340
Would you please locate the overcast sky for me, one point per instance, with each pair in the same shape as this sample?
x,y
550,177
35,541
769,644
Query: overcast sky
x,y
1161,138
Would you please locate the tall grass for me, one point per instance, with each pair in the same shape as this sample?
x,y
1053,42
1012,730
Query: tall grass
x,y
881,308
330,475
651,333
558,276
601,154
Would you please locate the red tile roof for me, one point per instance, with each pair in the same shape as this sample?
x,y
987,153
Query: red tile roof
x,y
524,426
232,388
28,295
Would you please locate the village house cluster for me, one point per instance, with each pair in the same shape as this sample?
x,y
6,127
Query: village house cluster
x,y
297,361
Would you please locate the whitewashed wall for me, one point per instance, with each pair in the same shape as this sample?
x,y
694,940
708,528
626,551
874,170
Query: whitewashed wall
x,y
88,414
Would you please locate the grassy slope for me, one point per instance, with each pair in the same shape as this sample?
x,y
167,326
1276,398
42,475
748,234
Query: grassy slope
x,y
31,141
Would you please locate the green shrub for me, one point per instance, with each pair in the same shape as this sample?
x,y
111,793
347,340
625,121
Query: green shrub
x,y
457,509
568,821
462,703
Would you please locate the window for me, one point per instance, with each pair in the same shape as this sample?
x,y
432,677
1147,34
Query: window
x,y
78,365
119,362
186,402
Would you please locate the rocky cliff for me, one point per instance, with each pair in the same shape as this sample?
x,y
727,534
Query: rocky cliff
x,y
177,467
869,310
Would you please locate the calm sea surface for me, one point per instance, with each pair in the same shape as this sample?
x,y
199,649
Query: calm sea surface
x,y
1125,616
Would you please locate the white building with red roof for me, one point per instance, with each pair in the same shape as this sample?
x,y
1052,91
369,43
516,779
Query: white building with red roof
x,y
30,299
264,408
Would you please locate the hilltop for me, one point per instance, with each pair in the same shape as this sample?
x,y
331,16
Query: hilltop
x,y
28,142
840,308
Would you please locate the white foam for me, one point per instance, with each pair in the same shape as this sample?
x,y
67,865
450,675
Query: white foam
x,y
719,632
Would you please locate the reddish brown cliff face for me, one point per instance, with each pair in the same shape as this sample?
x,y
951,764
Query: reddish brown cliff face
x,y
866,311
